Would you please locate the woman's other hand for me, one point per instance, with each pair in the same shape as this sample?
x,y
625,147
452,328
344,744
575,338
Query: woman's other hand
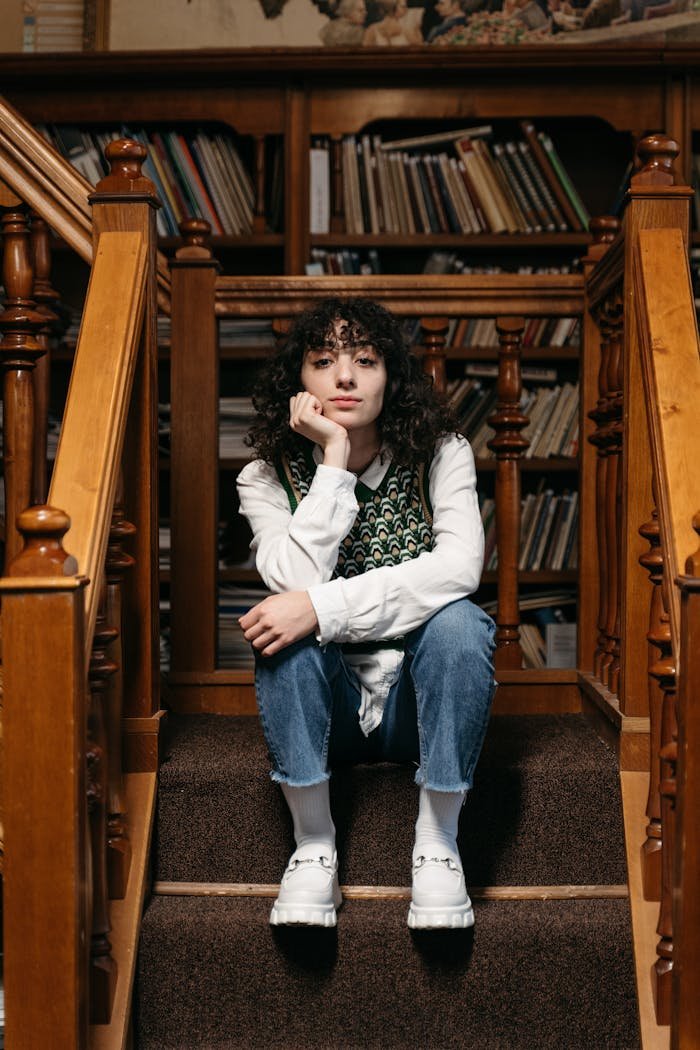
x,y
278,621
306,418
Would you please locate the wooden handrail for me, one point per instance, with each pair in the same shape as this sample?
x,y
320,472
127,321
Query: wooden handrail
x,y
85,472
474,295
668,336
54,189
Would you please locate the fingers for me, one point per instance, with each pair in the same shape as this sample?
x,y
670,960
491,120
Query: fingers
x,y
302,408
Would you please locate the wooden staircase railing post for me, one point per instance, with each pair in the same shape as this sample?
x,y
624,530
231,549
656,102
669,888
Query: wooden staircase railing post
x,y
604,229
19,351
45,297
433,338
664,671
657,635
194,455
610,664
118,845
103,968
125,200
508,445
654,201
685,1024
46,920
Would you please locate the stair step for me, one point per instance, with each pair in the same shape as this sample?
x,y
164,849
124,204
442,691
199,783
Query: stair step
x,y
545,809
545,974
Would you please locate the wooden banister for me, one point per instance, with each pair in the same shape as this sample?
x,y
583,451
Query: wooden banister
x,y
95,415
671,369
42,178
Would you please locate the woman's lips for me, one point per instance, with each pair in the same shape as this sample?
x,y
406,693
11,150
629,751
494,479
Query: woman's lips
x,y
345,402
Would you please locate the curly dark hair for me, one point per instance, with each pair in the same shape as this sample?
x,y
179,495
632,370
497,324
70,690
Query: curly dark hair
x,y
413,417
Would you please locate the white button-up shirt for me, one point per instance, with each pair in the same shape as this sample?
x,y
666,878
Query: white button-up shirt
x,y
299,551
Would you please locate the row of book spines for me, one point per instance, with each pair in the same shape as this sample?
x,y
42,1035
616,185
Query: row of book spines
x,y
549,527
511,187
200,175
538,331
552,429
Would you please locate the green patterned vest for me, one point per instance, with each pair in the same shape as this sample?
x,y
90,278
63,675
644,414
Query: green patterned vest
x,y
394,522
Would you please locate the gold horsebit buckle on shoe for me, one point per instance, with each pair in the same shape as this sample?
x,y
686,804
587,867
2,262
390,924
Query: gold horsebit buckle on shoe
x,y
420,861
323,861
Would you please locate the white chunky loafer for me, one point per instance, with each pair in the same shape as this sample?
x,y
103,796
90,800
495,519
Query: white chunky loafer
x,y
309,892
439,899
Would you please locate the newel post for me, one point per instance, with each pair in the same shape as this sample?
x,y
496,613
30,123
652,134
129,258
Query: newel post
x,y
46,894
194,454
654,200
126,200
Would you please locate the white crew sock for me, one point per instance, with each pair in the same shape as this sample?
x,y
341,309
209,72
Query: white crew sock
x,y
310,807
438,820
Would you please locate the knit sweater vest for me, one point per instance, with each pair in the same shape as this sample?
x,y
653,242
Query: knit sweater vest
x,y
394,521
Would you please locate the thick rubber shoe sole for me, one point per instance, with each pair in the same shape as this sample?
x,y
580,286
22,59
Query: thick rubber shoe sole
x,y
303,915
460,917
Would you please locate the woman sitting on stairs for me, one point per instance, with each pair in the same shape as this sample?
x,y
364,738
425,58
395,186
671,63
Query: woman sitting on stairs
x,y
366,526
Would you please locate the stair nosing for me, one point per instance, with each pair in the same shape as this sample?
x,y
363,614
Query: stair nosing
x,y
614,891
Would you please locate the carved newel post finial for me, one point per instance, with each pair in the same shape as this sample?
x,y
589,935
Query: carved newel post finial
x,y
656,154
196,238
125,158
43,529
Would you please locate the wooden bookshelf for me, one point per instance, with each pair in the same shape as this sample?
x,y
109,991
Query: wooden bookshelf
x,y
593,98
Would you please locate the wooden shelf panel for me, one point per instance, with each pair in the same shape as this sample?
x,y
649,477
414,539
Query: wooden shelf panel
x,y
420,241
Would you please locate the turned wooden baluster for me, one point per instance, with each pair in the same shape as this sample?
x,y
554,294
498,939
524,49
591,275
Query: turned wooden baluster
x,y
337,205
259,206
599,439
652,561
46,299
508,445
103,968
607,438
611,663
664,671
19,352
433,339
118,564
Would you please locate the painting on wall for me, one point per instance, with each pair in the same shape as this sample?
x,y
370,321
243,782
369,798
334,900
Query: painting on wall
x,y
399,23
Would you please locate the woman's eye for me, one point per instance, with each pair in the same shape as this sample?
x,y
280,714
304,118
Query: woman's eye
x,y
367,360
322,362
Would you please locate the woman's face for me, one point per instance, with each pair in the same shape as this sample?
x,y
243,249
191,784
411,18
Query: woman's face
x,y
348,380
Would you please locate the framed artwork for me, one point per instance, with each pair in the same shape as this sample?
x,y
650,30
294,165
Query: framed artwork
x,y
183,24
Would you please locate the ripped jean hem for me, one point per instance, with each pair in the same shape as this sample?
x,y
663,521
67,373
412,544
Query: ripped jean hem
x,y
281,778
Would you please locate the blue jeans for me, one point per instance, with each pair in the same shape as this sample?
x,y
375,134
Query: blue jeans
x,y
436,712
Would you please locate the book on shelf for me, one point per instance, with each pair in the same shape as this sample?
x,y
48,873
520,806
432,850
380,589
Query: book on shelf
x,y
319,188
560,644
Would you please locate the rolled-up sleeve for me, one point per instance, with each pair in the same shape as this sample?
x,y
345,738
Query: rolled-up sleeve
x,y
389,601
299,550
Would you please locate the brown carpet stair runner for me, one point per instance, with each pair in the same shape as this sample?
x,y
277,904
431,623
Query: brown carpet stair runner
x,y
549,963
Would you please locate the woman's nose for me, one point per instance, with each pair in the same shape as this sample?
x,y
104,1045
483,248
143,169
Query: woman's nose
x,y
345,376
